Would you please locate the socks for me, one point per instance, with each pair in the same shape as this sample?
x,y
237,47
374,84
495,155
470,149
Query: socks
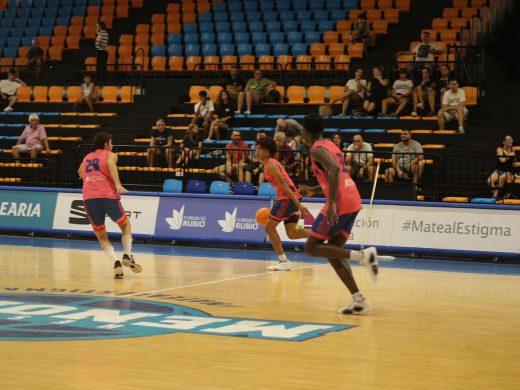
x,y
358,297
355,255
282,258
109,252
127,244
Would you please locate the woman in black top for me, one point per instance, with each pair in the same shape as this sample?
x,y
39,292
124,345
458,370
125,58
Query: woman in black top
x,y
191,145
504,171
222,116
377,90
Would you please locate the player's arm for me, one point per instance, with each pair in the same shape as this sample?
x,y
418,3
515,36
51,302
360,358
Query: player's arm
x,y
276,174
112,167
321,156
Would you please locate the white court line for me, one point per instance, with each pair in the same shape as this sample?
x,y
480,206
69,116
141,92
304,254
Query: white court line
x,y
221,280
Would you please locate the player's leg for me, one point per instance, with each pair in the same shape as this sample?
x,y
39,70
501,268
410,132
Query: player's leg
x,y
277,215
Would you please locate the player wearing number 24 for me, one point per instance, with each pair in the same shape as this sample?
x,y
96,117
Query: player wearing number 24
x,y
102,191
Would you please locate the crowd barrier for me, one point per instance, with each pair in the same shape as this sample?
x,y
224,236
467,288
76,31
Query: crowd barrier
x,y
471,229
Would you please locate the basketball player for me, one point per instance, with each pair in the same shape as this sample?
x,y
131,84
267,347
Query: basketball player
x,y
101,195
337,217
286,208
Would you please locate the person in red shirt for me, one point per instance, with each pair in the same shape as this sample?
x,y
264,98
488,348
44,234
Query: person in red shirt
x,y
337,217
236,152
286,208
102,191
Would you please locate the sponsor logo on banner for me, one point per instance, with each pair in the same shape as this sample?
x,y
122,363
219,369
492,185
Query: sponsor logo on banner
x,y
71,215
26,209
199,218
34,317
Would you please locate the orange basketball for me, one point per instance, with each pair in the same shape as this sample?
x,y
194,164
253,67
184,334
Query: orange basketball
x,y
262,215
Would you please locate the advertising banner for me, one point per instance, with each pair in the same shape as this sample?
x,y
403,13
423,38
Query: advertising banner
x,y
210,219
25,209
142,210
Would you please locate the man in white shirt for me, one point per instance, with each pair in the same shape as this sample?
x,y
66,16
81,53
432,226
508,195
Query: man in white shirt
x,y
424,53
8,88
360,164
204,110
401,92
453,107
354,92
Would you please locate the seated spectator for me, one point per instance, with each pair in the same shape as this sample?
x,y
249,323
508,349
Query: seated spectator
x,y
361,33
35,58
236,153
255,167
223,115
87,94
407,164
255,92
424,53
8,88
291,128
354,92
376,92
338,141
453,107
161,144
234,83
285,152
400,95
504,172
32,140
360,159
442,83
204,110
191,145
424,91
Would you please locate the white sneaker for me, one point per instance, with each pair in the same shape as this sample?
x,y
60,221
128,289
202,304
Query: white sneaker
x,y
247,112
461,130
420,105
8,109
281,266
237,112
356,307
414,113
369,260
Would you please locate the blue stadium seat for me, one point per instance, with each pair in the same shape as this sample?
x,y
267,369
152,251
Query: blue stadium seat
x,y
206,38
2,41
325,25
36,12
7,23
14,41
196,187
224,38
266,6
94,2
227,49
280,49
65,11
20,22
276,37
241,38
189,28
158,51
287,15
23,13
266,189
39,4
304,15
27,40
262,49
204,18
270,16
299,49
290,25
259,37
307,25
316,5
483,200
206,27
17,32
244,49
191,38
218,187
253,17
51,11
4,32
175,49
218,7
272,27
174,39
237,17
250,6
10,52
222,27
350,4
312,37
299,6
283,6
78,10
192,50
244,188
172,185
209,49
321,15
256,27
24,3
10,13
67,3
31,32
63,21
49,21
239,27
294,37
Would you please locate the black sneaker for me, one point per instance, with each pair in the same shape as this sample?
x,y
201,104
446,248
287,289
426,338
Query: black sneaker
x,y
118,270
128,261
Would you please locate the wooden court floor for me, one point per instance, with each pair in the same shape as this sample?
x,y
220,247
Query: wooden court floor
x,y
427,330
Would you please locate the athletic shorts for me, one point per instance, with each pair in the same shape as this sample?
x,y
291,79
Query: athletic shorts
x,y
451,116
285,210
322,229
97,208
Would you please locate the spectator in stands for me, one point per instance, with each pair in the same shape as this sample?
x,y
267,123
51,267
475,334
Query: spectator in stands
x,y
285,153
87,94
453,107
236,153
407,163
354,92
255,92
424,53
161,144
255,166
360,159
338,141
376,92
35,58
442,83
191,145
234,83
291,128
204,110
101,44
504,172
361,33
401,92
32,140
8,88
223,115
424,91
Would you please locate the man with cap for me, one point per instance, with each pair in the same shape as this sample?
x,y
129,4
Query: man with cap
x,y
32,140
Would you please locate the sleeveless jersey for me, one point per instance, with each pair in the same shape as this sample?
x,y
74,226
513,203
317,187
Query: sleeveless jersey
x,y
280,193
97,180
347,198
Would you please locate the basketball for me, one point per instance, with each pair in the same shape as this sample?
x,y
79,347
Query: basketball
x,y
262,215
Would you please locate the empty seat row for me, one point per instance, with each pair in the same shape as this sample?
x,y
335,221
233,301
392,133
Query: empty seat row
x,y
56,94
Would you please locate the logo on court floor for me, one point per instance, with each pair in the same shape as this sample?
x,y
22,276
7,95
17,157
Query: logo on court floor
x,y
75,317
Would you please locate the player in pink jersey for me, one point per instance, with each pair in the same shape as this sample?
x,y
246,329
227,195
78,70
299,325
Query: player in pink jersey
x,y
337,217
102,191
287,206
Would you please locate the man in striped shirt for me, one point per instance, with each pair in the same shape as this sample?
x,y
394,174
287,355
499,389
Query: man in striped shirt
x,y
101,50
